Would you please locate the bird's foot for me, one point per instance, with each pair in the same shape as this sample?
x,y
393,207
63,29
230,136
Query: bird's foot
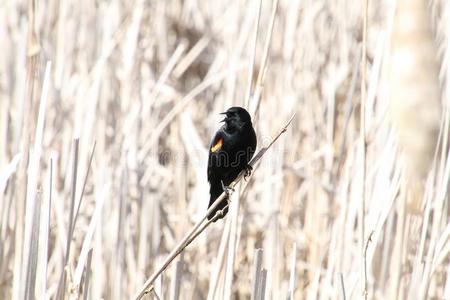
x,y
228,190
220,214
248,171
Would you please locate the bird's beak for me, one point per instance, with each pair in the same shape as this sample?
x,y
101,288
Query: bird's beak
x,y
223,113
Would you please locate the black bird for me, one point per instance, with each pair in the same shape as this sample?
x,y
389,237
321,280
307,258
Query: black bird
x,y
231,149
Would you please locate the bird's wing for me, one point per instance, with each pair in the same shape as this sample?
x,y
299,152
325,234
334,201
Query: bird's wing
x,y
215,146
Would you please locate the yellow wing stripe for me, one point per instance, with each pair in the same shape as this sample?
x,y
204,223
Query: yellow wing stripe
x,y
217,146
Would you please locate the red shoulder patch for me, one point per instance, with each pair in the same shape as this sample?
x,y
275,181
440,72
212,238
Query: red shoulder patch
x,y
217,145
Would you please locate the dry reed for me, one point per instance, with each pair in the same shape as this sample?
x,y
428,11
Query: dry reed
x,y
145,80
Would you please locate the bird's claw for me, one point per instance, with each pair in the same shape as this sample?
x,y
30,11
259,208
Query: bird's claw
x,y
228,190
248,171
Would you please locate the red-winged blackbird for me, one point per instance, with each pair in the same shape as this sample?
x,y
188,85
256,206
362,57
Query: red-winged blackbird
x,y
231,149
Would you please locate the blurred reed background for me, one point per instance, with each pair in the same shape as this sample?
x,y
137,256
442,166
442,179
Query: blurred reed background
x,y
145,80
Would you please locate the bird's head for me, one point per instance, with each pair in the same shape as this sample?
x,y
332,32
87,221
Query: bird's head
x,y
237,117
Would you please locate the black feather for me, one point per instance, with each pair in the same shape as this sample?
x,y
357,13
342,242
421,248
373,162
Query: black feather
x,y
228,158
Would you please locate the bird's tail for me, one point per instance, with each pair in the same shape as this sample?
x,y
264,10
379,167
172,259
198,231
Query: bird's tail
x,y
215,191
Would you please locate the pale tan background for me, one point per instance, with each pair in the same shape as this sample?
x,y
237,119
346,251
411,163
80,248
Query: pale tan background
x,y
146,81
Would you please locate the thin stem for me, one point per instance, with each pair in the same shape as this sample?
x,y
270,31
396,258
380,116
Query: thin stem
x,y
363,139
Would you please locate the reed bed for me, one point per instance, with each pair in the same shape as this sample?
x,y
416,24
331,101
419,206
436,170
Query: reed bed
x,y
107,108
